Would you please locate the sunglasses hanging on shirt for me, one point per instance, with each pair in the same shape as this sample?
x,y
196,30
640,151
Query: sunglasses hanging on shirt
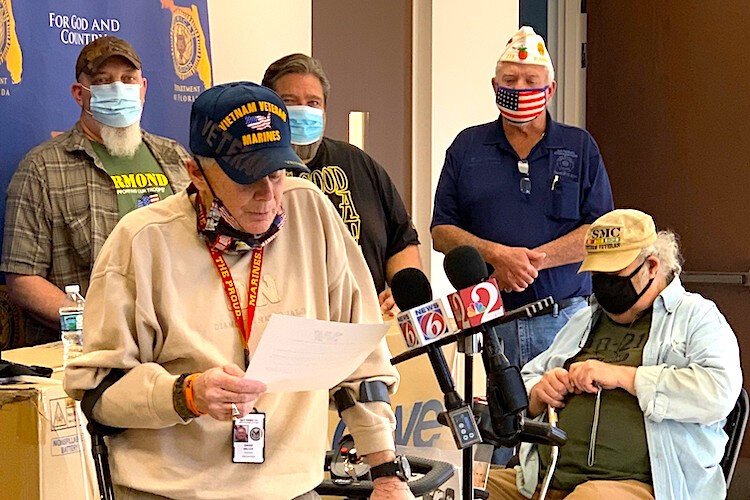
x,y
525,185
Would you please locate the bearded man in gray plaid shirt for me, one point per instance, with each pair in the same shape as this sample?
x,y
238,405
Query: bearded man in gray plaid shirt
x,y
69,192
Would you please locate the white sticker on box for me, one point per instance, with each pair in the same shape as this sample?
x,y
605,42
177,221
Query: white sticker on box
x,y
62,414
63,423
65,445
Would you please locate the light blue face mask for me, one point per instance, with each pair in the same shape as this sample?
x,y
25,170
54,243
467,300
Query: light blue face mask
x,y
306,124
116,104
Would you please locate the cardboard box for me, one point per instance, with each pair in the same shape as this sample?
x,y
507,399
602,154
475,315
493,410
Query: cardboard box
x,y
45,453
49,355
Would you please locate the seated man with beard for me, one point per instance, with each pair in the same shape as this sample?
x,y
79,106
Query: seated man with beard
x,y
69,192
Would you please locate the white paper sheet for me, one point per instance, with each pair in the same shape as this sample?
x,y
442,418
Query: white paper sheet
x,y
301,354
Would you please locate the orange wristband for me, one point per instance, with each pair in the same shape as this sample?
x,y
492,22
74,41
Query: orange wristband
x,y
189,398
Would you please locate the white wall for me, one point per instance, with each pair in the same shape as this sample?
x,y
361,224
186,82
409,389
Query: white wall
x,y
452,92
248,35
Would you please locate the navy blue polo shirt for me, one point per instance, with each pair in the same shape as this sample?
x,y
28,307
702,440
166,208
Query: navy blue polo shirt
x,y
480,192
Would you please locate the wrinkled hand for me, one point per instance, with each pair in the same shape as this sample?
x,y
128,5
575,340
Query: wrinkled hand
x,y
550,390
587,376
390,488
216,389
516,267
387,304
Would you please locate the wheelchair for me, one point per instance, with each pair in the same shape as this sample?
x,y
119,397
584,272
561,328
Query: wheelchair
x,y
350,475
430,474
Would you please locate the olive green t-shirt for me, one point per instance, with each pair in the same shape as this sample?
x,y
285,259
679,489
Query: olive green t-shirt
x,y
620,447
139,180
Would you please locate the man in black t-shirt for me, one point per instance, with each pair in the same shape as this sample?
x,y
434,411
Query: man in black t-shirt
x,y
357,185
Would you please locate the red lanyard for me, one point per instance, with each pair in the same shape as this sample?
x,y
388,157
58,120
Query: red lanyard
x,y
253,285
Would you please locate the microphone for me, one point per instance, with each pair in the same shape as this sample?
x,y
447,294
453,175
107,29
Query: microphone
x,y
477,305
423,321
478,299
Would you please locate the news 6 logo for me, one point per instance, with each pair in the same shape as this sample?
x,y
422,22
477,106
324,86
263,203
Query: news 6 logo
x,y
408,331
431,321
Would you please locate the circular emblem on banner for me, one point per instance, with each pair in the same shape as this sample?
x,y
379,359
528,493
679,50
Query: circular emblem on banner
x,y
4,31
184,43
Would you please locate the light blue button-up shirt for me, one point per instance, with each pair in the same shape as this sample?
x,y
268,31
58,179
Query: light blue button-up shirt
x,y
689,382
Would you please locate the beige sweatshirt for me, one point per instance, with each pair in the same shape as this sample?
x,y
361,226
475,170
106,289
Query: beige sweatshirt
x,y
156,308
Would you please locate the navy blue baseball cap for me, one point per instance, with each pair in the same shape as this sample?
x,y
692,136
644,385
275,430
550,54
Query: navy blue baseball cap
x,y
245,128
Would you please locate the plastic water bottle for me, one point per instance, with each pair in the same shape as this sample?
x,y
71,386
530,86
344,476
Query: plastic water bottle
x,y
71,324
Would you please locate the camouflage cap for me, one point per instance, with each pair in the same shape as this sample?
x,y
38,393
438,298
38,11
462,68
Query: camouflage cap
x,y
97,51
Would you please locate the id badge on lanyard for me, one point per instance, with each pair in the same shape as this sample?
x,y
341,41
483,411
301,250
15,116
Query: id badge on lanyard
x,y
249,439
248,432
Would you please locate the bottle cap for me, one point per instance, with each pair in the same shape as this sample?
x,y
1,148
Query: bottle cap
x,y
72,289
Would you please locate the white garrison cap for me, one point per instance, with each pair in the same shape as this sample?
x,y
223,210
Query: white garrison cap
x,y
526,47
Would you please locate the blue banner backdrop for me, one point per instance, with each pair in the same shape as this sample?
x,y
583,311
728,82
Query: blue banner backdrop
x,y
40,41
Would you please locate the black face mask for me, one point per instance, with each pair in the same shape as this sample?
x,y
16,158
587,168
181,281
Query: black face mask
x,y
616,294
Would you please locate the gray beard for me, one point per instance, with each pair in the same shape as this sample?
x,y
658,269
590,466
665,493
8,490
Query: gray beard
x,y
307,153
122,142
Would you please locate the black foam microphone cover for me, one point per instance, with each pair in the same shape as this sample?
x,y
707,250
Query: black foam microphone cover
x,y
490,269
410,288
465,267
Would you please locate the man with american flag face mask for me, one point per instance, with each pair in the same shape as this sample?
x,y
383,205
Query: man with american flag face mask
x,y
523,189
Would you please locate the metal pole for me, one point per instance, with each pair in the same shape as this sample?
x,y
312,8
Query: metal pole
x,y
101,464
468,453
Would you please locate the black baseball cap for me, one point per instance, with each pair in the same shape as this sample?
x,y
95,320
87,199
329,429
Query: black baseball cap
x,y
245,128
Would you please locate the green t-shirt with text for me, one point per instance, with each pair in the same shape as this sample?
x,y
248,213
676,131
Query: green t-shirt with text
x,y
620,447
139,181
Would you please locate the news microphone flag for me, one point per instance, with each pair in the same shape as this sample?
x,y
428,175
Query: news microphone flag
x,y
476,305
424,324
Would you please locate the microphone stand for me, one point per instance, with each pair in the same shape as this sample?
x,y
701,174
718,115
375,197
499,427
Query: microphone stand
x,y
101,464
469,345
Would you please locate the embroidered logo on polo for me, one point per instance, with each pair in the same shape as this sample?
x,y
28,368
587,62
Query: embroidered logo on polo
x,y
332,180
604,238
566,164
